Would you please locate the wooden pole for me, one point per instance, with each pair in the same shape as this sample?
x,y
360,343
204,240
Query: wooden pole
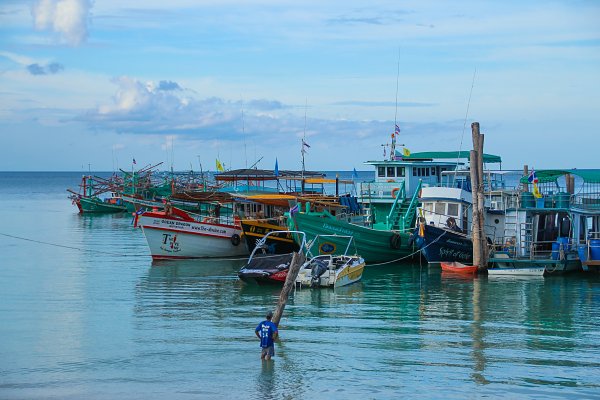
x,y
474,204
525,173
290,281
481,198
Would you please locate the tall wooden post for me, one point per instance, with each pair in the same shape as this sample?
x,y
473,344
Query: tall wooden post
x,y
475,233
480,249
525,173
290,281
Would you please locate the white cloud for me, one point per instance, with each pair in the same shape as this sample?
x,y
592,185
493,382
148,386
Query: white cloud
x,y
68,18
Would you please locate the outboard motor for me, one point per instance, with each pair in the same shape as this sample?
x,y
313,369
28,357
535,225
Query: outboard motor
x,y
316,271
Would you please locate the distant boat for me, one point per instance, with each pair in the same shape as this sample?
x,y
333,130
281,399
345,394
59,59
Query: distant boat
x,y
98,195
176,234
457,267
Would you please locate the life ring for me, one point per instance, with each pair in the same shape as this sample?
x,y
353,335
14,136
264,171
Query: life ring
x,y
395,241
394,191
235,239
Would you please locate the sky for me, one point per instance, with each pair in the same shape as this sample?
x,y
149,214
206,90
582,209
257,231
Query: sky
x,y
96,84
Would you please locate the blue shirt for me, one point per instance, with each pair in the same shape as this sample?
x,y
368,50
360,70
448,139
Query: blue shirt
x,y
266,330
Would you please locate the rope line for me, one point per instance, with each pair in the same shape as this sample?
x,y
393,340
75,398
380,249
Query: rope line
x,y
411,254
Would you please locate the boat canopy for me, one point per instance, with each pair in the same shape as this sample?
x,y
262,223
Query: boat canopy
x,y
264,175
551,175
428,155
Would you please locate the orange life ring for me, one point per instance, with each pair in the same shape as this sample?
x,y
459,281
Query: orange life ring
x,y
394,191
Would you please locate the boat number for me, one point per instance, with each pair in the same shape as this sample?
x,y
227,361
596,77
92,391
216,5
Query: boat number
x,y
170,243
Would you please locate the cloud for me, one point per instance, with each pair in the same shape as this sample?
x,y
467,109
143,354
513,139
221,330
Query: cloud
x,y
67,18
361,103
52,68
168,85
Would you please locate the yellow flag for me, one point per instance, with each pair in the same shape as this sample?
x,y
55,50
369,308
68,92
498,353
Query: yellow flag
x,y
536,191
406,152
219,166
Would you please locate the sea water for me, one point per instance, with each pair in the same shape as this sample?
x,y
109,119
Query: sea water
x,y
86,314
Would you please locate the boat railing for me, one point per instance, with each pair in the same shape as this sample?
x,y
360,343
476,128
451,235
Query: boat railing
x,y
588,201
378,190
538,250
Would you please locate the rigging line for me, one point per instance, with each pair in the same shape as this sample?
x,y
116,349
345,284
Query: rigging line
x,y
397,79
71,247
465,124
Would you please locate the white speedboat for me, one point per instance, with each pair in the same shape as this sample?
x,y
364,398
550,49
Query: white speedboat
x,y
329,269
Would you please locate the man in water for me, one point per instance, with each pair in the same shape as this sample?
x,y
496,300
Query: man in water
x,y
266,331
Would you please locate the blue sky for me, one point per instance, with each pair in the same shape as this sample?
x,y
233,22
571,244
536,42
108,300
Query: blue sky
x,y
187,81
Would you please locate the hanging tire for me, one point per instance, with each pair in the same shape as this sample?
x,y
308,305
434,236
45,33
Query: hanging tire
x,y
395,241
235,239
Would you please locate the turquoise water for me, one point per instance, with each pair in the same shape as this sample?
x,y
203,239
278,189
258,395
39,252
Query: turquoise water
x,y
86,314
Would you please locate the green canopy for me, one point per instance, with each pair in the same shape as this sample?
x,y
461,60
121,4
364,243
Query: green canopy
x,y
487,158
551,175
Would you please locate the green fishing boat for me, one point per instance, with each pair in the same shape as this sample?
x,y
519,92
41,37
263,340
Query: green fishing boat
x,y
109,205
375,246
89,200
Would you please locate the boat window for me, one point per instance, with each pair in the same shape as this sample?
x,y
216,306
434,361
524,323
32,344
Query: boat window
x,y
391,171
582,228
414,172
399,171
428,206
453,209
433,171
380,171
440,208
426,171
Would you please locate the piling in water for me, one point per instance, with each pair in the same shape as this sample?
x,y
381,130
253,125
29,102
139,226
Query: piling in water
x,y
290,281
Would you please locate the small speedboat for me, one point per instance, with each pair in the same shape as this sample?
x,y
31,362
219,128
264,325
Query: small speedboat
x,y
518,271
459,268
329,269
264,267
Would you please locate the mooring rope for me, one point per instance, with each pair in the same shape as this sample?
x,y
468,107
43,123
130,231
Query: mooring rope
x,y
411,254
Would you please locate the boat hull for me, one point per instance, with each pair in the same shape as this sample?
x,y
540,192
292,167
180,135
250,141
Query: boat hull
x,y
97,206
254,231
175,239
524,271
459,268
441,245
570,263
375,246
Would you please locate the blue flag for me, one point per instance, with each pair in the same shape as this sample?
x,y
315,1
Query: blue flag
x,y
354,174
276,168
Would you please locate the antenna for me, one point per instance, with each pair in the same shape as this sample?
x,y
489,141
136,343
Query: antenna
x,y
304,136
244,135
397,79
465,124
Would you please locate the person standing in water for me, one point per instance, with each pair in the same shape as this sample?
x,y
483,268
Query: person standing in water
x,y
266,331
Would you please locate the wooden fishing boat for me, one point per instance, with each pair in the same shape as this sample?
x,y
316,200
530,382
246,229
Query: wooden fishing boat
x,y
459,268
176,234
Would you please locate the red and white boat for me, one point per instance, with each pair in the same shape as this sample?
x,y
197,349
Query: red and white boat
x,y
176,234
458,268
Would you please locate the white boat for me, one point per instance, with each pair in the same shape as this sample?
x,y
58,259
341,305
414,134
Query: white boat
x,y
328,269
176,234
524,271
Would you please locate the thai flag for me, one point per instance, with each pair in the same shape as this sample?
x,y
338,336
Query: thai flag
x,y
532,178
397,129
305,144
294,209
134,161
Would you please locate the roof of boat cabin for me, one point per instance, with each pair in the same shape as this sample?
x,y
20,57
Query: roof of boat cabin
x,y
551,175
264,175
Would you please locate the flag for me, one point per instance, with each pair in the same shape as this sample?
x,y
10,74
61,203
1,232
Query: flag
x,y
397,129
305,144
532,178
354,174
294,209
134,161
536,191
276,168
219,166
384,152
406,152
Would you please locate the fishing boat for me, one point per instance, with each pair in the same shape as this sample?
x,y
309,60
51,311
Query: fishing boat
x,y
541,225
517,271
459,268
386,210
176,234
98,195
266,267
330,268
443,231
